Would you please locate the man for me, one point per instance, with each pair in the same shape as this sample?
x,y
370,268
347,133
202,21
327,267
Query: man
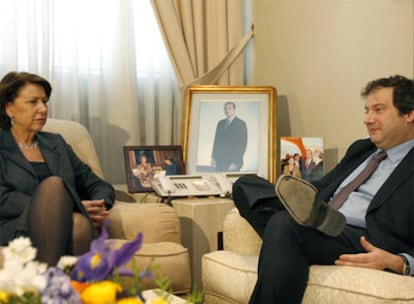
x,y
307,165
298,229
230,141
172,168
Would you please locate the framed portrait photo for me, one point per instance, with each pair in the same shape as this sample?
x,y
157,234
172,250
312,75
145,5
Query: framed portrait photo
x,y
230,129
302,157
143,163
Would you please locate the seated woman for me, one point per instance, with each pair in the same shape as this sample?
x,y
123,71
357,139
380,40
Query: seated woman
x,y
144,172
46,192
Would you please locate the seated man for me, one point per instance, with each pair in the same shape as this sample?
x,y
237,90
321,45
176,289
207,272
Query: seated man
x,y
369,225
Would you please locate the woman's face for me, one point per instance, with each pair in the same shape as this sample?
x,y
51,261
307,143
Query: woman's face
x,y
29,109
143,159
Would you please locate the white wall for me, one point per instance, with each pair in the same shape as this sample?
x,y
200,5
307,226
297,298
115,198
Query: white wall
x,y
320,53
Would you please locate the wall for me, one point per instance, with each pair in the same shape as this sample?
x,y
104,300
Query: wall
x,y
320,53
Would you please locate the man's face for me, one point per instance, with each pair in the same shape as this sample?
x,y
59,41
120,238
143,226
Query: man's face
x,y
386,126
229,110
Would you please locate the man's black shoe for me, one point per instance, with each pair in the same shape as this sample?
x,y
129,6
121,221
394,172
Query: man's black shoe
x,y
300,199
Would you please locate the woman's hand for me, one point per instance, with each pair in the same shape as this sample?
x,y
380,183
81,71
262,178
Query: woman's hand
x,y
375,258
97,211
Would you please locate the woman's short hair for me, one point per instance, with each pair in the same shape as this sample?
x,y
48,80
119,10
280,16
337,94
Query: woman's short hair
x,y
10,86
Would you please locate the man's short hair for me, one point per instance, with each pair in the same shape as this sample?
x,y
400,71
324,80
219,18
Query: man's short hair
x,y
230,103
403,94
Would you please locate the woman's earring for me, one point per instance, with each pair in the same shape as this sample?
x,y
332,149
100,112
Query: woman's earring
x,y
11,121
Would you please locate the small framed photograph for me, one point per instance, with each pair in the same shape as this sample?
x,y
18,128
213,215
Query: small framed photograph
x,y
230,129
302,157
142,163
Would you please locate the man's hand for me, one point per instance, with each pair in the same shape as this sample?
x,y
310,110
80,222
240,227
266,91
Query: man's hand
x,y
97,211
374,258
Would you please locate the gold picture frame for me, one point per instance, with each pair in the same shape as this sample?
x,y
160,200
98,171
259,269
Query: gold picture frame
x,y
205,110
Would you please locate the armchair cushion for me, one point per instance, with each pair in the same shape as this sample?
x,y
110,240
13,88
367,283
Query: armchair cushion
x,y
229,276
168,259
158,222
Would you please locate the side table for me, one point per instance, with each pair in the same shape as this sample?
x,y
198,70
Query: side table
x,y
201,223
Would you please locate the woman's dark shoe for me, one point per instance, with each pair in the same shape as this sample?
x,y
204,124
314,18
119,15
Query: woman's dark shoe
x,y
300,199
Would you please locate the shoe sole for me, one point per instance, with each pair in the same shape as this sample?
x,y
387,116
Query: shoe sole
x,y
297,196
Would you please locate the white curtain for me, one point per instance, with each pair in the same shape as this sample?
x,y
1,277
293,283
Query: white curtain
x,y
107,65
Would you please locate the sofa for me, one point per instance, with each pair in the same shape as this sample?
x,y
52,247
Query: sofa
x,y
229,275
158,222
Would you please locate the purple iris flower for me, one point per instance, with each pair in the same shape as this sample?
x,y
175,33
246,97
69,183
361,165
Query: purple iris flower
x,y
101,260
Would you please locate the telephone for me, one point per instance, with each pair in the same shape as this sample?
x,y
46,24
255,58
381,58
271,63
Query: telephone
x,y
194,185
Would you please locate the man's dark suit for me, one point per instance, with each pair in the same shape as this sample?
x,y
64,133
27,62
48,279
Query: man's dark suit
x,y
18,180
230,142
390,216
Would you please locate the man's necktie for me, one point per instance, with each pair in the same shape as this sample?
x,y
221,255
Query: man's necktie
x,y
338,199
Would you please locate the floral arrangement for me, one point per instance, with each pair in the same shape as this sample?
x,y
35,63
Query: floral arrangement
x,y
93,278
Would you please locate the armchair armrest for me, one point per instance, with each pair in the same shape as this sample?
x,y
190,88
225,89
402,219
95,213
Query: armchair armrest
x,y
158,222
239,236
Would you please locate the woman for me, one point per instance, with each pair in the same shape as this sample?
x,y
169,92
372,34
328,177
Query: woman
x,y
46,192
144,172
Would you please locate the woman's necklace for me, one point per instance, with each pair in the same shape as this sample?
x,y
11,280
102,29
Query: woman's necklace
x,y
28,147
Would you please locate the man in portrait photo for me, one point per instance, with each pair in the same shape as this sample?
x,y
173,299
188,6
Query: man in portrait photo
x,y
230,141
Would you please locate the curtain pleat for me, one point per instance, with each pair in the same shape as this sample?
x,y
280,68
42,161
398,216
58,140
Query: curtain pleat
x,y
204,39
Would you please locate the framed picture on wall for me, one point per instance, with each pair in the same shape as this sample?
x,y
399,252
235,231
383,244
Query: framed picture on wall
x,y
230,129
142,163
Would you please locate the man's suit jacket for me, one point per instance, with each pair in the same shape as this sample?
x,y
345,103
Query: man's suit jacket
x,y
230,143
390,215
18,180
306,171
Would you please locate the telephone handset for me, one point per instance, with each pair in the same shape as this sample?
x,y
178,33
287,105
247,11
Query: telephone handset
x,y
193,185
165,183
223,183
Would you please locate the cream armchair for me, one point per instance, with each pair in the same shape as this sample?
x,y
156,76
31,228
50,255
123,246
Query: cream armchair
x,y
158,222
229,275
